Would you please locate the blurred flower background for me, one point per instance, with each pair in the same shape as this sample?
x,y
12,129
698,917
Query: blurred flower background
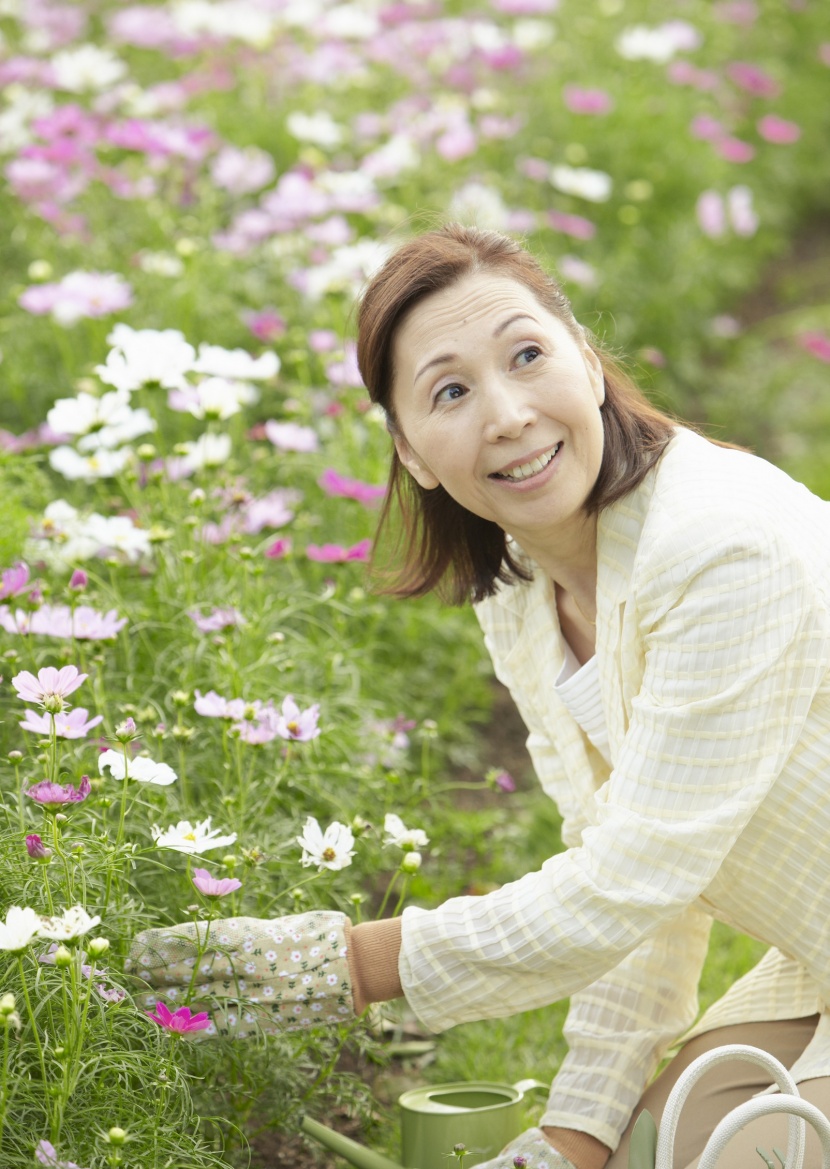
x,y
196,191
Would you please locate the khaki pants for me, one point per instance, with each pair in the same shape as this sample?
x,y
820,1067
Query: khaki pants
x,y
727,1085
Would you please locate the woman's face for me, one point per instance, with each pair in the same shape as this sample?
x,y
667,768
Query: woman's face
x,y
497,402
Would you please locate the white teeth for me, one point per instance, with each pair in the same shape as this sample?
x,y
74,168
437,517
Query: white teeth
x,y
531,468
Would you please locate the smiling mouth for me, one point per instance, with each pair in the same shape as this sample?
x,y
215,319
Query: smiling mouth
x,y
528,470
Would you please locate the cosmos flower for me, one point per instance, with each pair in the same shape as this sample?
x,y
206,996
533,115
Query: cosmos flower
x,y
296,724
20,926
211,886
217,619
180,1021
51,686
333,849
192,838
142,768
69,724
55,795
72,924
397,833
13,580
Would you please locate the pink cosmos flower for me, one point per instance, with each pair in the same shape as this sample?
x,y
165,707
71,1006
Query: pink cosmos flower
x,y
345,372
214,886
587,101
816,343
55,795
278,549
78,580
110,994
36,849
339,485
337,553
84,623
50,687
706,127
752,79
685,73
525,7
743,12
296,724
778,130
289,436
267,325
47,1154
216,619
13,580
213,705
572,225
80,294
179,1022
734,149
69,724
322,340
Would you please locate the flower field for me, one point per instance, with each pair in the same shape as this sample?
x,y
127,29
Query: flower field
x,y
206,710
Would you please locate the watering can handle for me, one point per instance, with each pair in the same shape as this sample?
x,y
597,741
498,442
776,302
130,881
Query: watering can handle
x,y
529,1085
680,1092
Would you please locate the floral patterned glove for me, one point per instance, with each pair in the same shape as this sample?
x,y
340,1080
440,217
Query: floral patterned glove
x,y
250,975
530,1150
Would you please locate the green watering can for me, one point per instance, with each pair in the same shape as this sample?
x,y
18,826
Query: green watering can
x,y
482,1114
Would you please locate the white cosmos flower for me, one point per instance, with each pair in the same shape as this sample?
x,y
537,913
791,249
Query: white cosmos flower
x,y
348,21
236,364
641,43
86,68
209,450
115,533
20,926
224,18
146,357
479,205
101,464
142,768
319,129
409,839
71,924
594,185
215,397
332,849
107,421
191,838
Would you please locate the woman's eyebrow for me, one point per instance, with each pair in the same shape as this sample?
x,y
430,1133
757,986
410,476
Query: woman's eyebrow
x,y
454,357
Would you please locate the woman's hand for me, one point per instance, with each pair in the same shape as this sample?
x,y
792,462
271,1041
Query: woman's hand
x,y
250,975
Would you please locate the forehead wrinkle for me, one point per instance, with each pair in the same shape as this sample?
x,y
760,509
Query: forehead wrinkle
x,y
467,310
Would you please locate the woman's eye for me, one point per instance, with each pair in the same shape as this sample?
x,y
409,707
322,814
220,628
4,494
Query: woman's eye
x,y
450,393
528,354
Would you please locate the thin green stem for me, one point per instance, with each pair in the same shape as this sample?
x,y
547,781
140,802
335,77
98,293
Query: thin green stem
x,y
389,888
397,908
4,1079
201,947
32,1021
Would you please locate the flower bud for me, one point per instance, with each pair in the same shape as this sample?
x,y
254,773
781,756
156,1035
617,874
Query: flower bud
x,y
359,826
410,862
78,580
15,756
126,731
116,1136
8,1003
63,957
197,497
98,947
11,1020
146,452
36,849
180,697
229,862
519,1162
53,704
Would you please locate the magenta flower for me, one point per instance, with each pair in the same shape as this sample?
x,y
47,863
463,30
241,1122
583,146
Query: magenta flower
x,y
179,1022
278,549
13,580
50,687
504,781
300,725
214,886
587,101
752,79
55,795
36,849
816,343
266,325
110,994
778,130
78,580
69,724
47,1154
706,127
339,485
337,553
215,620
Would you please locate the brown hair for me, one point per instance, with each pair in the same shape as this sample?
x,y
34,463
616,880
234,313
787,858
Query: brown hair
x,y
441,545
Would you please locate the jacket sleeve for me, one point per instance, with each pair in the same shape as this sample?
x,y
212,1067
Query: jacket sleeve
x,y
735,647
621,1026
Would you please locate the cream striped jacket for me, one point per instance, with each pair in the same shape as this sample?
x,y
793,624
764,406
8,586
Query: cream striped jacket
x,y
713,647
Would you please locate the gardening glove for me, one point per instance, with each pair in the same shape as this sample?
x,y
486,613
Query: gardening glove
x,y
255,975
530,1150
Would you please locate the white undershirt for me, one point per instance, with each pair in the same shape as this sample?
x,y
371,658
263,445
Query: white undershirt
x,y
578,687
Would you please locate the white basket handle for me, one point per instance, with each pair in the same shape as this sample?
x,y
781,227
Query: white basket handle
x,y
680,1092
739,1117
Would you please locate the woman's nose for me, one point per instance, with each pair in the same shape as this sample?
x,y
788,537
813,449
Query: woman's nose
x,y
508,412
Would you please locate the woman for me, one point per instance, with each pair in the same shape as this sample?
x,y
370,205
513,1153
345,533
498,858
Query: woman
x,y
658,607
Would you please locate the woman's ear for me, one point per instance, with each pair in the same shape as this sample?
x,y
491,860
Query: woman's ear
x,y
421,475
595,373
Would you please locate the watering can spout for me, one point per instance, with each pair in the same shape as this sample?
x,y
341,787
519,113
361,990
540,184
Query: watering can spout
x,y
359,1155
